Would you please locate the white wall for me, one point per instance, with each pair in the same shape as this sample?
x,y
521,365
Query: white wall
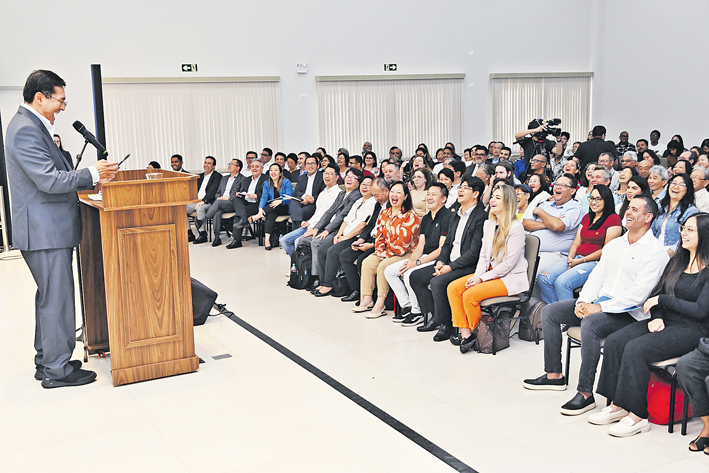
x,y
242,38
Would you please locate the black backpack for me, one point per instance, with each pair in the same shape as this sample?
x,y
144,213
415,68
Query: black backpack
x,y
301,262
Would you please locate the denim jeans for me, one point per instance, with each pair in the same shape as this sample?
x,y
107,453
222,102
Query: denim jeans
x,y
288,240
559,282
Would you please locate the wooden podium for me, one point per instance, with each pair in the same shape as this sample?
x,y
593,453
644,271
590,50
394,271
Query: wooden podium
x,y
135,271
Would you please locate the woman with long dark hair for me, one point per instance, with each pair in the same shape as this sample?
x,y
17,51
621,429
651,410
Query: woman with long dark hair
x,y
370,163
272,202
599,226
636,185
679,318
398,231
585,182
539,185
674,209
65,153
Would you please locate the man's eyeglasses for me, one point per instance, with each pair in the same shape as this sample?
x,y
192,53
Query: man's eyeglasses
x,y
537,161
561,184
61,101
465,188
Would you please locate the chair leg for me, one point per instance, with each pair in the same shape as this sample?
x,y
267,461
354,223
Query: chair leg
x,y
568,360
673,387
685,414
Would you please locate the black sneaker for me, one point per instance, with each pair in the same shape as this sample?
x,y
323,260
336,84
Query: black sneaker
x,y
412,320
578,405
544,383
401,316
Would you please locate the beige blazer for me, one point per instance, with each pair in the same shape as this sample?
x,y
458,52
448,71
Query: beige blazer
x,y
512,270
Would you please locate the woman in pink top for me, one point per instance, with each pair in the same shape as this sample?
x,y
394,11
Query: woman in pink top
x,y
501,268
558,281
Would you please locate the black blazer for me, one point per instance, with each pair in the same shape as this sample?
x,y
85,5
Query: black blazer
x,y
588,151
302,184
366,233
472,240
212,186
244,186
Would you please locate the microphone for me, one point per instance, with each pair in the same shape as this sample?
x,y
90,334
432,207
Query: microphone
x,y
78,126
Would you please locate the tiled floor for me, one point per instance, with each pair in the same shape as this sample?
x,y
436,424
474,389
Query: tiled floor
x,y
260,412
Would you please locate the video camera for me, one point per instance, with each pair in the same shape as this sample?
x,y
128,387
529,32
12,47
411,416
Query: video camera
x,y
552,128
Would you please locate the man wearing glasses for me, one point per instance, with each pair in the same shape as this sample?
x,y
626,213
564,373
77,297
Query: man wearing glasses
x,y
307,190
47,224
623,144
226,192
555,222
266,159
700,179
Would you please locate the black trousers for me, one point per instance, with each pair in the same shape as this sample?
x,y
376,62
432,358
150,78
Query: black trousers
x,y
627,355
271,215
692,374
300,212
351,261
242,209
329,260
435,300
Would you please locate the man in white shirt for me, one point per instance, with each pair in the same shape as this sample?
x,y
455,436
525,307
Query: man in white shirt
x,y
700,178
208,184
324,201
612,298
606,160
266,159
227,189
250,156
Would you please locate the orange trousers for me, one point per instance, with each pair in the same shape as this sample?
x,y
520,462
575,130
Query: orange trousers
x,y
465,302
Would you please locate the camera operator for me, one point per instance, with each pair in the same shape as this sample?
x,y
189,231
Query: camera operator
x,y
534,141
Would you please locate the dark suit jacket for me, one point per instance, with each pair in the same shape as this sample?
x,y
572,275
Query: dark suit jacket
x,y
244,187
212,186
366,233
337,212
318,185
471,243
588,151
45,207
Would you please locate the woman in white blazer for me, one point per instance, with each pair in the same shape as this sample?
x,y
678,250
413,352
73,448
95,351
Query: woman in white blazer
x,y
501,268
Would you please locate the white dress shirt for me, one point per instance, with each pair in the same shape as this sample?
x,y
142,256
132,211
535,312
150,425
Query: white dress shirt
x,y
701,200
252,188
460,229
361,210
323,203
626,274
203,188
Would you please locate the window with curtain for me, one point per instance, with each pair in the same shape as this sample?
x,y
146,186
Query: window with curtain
x,y
152,120
390,112
518,99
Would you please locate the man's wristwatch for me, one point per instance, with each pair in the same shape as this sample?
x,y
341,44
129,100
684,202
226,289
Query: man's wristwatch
x,y
418,262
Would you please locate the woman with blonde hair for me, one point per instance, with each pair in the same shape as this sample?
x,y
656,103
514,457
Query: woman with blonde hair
x,y
501,268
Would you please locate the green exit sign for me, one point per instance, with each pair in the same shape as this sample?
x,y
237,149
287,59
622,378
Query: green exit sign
x,y
390,67
189,68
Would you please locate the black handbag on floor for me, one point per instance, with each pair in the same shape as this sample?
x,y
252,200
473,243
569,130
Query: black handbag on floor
x,y
491,330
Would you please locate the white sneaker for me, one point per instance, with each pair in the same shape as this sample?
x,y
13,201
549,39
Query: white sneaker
x,y
627,428
606,416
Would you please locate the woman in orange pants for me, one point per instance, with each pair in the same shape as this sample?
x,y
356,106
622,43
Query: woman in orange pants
x,y
501,269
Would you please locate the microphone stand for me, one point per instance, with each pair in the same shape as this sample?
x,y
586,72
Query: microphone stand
x,y
80,155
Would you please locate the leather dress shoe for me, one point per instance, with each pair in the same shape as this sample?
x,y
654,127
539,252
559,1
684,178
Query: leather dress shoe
x,y
217,242
467,344
430,325
39,371
317,293
190,236
456,339
353,297
234,244
243,223
75,378
444,333
202,238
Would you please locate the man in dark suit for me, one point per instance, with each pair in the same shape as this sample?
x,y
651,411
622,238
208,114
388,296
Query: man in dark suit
x,y
245,200
47,225
223,203
208,185
308,189
458,258
589,151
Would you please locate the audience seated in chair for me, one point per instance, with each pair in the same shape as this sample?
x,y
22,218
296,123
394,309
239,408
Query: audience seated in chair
x,y
397,235
246,200
434,228
675,208
679,309
208,185
308,188
612,298
273,201
225,194
501,268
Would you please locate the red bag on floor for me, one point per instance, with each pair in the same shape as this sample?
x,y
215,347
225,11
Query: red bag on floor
x,y
658,401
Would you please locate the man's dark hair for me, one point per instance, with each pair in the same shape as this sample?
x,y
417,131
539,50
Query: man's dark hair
x,y
450,146
458,166
176,156
358,159
442,187
358,174
598,131
214,160
482,148
643,140
506,148
307,155
281,153
574,182
317,162
43,82
268,151
650,205
509,167
332,165
239,163
475,183
566,134
252,152
394,148
657,132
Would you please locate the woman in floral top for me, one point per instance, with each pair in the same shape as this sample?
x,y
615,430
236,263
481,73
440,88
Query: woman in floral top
x,y
398,230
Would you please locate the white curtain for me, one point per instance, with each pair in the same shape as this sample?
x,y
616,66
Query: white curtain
x,y
387,112
517,100
152,121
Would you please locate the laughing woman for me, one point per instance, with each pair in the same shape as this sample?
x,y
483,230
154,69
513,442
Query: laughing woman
x,y
501,268
676,207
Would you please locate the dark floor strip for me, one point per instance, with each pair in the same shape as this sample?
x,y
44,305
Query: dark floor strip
x,y
409,433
